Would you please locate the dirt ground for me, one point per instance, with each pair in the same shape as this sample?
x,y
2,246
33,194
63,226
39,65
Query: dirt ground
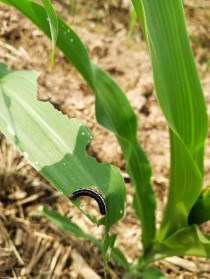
x,y
30,246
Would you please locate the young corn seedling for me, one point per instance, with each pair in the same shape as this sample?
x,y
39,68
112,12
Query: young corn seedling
x,y
63,140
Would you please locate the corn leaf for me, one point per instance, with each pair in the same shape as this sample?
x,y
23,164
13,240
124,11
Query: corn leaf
x,y
152,273
53,22
66,225
113,111
181,99
200,212
187,241
138,7
54,144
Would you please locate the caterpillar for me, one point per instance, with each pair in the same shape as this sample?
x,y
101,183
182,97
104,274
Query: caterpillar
x,y
93,194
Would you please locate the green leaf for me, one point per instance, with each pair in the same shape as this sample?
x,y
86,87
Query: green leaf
x,y
140,14
66,225
53,22
152,273
181,99
187,241
5,2
67,39
113,111
54,144
132,22
108,246
200,212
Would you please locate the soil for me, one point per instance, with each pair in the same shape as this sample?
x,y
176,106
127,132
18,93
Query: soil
x,y
30,246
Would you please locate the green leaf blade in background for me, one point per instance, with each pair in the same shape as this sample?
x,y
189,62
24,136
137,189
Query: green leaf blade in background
x,y
53,22
54,144
120,119
138,7
189,241
181,99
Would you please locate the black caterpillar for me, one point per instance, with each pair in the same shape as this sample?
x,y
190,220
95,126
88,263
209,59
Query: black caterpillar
x,y
93,194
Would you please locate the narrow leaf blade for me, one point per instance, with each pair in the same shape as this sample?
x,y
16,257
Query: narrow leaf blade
x,y
53,22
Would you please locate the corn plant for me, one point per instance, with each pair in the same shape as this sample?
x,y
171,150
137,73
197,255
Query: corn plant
x,y
55,145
